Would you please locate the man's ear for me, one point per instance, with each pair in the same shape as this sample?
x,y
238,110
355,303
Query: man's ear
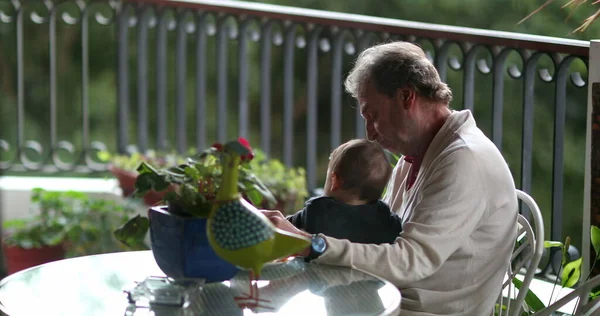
x,y
409,97
404,97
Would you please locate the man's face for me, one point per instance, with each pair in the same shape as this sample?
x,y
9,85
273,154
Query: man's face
x,y
385,120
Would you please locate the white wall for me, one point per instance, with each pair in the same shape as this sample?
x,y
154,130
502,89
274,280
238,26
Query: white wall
x,y
15,192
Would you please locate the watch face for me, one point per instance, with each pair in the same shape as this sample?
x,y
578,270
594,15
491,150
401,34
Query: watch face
x,y
319,244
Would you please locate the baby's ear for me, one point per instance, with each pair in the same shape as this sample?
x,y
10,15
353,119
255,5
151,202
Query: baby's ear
x,y
335,182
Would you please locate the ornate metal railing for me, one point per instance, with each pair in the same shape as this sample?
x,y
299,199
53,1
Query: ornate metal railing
x,y
192,72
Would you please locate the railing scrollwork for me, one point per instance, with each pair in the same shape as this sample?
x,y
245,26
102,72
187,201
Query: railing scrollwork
x,y
190,73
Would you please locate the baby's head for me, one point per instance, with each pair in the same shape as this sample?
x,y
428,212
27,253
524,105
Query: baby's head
x,y
358,172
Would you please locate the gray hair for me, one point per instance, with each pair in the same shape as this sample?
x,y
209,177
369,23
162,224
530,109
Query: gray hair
x,y
396,65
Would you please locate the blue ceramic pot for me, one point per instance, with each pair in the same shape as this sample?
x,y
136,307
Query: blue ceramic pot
x,y
181,249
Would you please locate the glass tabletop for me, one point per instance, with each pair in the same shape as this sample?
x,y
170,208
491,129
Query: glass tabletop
x,y
94,285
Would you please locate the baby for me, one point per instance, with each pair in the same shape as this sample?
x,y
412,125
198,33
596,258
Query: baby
x,y
350,208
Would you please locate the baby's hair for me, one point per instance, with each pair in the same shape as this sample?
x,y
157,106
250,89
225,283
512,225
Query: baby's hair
x,y
362,167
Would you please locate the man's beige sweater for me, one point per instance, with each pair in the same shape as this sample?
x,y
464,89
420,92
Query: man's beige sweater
x,y
460,219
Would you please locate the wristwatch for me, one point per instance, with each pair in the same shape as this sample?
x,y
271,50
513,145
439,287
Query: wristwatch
x,y
318,246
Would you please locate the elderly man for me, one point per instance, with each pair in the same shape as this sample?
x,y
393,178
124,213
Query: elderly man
x,y
452,188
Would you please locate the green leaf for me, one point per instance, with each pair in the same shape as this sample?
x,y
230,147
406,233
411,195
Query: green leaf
x,y
532,300
255,197
192,172
552,244
36,195
146,168
498,309
150,181
201,210
595,239
188,194
133,232
104,156
265,192
571,273
207,152
171,196
16,223
75,195
53,238
143,183
202,169
179,170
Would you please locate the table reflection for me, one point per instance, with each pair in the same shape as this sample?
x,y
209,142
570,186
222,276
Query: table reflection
x,y
94,285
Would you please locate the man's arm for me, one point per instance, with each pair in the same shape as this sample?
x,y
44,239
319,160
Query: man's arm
x,y
448,211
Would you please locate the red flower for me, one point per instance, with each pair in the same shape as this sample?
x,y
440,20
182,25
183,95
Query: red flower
x,y
217,146
244,142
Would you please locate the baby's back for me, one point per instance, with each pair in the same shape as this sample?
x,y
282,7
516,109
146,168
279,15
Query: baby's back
x,y
371,223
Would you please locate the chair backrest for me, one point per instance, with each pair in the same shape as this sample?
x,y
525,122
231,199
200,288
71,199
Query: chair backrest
x,y
527,254
585,307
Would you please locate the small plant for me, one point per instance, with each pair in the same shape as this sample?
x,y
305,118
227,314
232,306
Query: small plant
x,y
72,219
132,161
48,228
190,188
569,276
124,168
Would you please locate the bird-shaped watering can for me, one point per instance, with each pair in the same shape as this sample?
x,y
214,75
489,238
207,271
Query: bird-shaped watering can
x,y
241,234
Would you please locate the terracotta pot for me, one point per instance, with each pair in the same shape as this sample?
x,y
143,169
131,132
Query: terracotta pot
x,y
126,179
127,183
17,258
153,198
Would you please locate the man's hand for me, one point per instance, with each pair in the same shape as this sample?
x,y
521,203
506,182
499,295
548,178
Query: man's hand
x,y
282,223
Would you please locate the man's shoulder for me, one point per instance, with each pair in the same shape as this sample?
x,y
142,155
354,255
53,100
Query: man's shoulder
x,y
469,151
470,139
462,133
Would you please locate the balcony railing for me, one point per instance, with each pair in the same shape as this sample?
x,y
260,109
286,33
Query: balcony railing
x,y
192,72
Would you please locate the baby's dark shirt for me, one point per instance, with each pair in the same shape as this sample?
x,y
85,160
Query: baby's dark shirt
x,y
371,223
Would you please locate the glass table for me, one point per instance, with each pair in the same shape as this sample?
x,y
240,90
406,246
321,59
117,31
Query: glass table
x,y
94,285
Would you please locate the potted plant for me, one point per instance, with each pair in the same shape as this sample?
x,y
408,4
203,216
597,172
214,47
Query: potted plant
x,y
38,239
67,224
178,229
123,167
287,184
568,274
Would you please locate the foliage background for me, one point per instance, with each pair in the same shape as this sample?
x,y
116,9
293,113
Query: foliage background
x,y
489,14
